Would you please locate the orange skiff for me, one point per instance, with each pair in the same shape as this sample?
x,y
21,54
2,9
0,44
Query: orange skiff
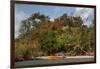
x,y
55,57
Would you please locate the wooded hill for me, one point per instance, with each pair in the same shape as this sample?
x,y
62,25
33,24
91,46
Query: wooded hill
x,y
41,37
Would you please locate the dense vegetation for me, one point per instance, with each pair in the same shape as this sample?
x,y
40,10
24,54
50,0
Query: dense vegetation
x,y
41,37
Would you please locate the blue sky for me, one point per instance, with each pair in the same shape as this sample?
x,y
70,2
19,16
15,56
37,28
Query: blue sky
x,y
23,11
51,11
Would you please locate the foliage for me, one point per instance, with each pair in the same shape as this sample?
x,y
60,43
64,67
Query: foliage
x,y
39,36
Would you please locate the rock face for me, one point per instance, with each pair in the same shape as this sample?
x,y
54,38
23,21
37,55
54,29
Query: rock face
x,y
19,58
60,54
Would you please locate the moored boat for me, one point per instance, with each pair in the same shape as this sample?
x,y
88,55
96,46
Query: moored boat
x,y
55,57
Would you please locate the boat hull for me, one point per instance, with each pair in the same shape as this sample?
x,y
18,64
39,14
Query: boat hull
x,y
55,57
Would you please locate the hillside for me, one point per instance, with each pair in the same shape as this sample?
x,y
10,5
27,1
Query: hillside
x,y
41,37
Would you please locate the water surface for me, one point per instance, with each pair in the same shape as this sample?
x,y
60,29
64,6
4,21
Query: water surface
x,y
46,62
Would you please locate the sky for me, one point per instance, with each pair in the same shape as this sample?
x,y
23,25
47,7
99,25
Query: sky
x,y
23,11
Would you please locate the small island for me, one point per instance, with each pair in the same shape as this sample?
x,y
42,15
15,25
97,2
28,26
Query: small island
x,y
42,39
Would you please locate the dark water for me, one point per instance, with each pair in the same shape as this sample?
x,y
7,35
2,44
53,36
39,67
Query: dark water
x,y
44,62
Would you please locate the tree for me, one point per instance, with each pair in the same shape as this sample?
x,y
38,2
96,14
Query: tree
x,y
40,36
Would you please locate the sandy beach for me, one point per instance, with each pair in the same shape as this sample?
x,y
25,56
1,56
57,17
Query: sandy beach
x,y
46,57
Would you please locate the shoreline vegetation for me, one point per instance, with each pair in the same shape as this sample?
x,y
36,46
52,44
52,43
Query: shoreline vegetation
x,y
66,36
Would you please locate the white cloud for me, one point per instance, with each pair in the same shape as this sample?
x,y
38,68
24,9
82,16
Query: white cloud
x,y
51,19
87,15
19,16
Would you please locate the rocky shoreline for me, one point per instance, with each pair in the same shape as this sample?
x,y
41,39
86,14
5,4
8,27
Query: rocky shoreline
x,y
46,58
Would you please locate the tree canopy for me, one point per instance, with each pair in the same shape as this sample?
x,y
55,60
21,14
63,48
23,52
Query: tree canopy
x,y
40,36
